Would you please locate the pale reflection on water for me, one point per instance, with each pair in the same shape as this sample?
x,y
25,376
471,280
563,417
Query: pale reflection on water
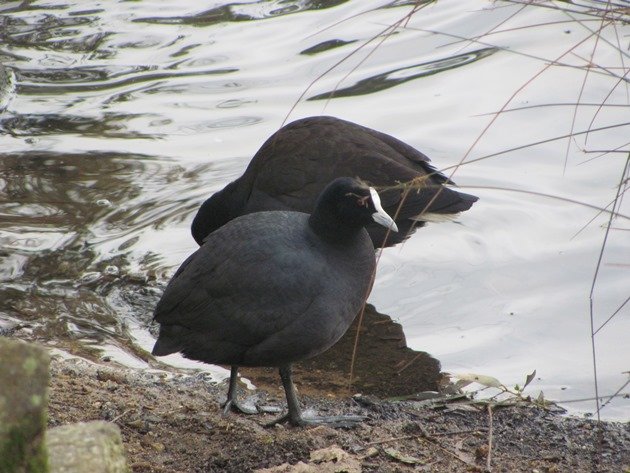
x,y
118,121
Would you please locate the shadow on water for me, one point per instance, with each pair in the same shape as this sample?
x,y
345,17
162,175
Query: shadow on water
x,y
383,366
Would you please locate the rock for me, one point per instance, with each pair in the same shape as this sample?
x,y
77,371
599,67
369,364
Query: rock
x,y
23,406
86,447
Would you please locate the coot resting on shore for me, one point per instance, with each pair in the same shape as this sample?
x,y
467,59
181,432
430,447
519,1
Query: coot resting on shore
x,y
295,164
273,288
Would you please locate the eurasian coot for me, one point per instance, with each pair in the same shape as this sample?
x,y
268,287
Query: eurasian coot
x,y
295,164
272,288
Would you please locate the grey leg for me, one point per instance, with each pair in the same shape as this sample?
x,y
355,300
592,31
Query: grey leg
x,y
294,416
295,413
232,404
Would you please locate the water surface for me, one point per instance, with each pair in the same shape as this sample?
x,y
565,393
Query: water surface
x,y
119,118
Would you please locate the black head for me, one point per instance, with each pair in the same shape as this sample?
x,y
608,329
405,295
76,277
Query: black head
x,y
344,207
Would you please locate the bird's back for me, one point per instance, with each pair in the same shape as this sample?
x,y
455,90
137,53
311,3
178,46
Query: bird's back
x,y
295,163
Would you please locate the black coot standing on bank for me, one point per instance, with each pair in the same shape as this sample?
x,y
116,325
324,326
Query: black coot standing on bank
x,y
273,288
295,164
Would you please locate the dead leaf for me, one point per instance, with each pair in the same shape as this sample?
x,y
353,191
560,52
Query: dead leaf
x,y
332,453
484,380
529,379
299,467
401,457
369,453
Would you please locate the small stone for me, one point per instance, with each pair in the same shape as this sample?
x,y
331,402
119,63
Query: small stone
x,y
158,447
86,447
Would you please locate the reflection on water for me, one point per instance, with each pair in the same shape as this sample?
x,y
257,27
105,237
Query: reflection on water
x,y
245,11
50,27
83,79
401,75
70,188
325,46
55,210
118,122
112,125
7,87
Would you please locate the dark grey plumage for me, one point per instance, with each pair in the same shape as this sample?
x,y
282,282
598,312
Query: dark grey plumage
x,y
249,292
295,164
272,288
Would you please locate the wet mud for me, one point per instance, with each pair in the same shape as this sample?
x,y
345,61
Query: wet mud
x,y
174,424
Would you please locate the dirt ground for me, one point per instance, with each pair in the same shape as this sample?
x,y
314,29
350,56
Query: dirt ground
x,y
173,423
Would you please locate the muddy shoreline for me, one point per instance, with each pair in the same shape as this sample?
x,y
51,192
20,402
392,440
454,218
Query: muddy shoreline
x,y
172,423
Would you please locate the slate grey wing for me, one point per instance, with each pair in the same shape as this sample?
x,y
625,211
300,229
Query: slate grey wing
x,y
295,164
334,140
406,155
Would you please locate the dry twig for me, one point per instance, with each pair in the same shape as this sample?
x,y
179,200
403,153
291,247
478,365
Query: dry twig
x,y
489,457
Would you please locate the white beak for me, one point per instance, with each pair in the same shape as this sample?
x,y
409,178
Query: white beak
x,y
380,216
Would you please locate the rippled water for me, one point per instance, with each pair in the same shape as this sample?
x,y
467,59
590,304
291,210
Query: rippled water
x,y
119,118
